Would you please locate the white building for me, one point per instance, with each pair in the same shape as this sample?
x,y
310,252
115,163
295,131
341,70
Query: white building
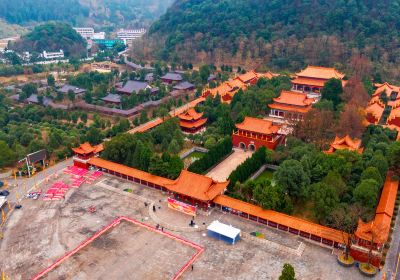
x,y
53,55
85,32
99,36
128,35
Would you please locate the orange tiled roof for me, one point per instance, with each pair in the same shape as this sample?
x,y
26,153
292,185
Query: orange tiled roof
x,y
258,125
248,76
197,186
309,81
289,108
185,107
294,98
236,84
395,113
190,115
282,219
86,148
320,73
194,124
378,229
267,75
190,184
146,126
376,109
386,87
128,171
345,143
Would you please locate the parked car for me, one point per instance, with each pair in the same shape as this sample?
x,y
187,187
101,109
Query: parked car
x,y
4,193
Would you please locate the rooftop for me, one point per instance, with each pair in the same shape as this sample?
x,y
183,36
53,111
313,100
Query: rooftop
x,y
283,219
258,125
184,86
172,77
86,148
248,76
345,143
224,229
294,98
114,98
320,73
76,90
134,86
378,229
197,186
190,115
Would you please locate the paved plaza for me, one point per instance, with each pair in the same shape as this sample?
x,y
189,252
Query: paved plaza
x,y
221,172
43,231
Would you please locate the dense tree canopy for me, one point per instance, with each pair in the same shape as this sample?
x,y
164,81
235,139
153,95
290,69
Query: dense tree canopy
x,y
53,36
286,34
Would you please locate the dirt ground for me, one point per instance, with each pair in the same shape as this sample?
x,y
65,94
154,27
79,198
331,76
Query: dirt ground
x,y
132,252
43,231
221,172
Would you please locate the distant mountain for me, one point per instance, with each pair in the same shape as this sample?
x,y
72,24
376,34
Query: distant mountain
x,y
286,34
10,30
130,13
52,36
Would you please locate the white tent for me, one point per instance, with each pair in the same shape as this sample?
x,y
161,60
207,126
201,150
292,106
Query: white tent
x,y
223,232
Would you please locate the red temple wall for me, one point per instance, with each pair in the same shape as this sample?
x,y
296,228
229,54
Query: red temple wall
x,y
237,139
363,257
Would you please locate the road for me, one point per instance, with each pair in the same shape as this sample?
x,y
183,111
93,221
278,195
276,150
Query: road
x,y
28,183
393,256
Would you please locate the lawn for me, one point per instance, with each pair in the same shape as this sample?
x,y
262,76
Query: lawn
x,y
267,174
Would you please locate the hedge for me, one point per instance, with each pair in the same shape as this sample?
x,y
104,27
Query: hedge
x,y
248,167
212,157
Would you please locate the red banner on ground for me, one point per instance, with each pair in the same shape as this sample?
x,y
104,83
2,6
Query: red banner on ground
x,y
181,207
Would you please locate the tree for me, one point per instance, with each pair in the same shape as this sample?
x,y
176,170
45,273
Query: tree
x,y
325,200
351,121
394,157
332,91
174,147
345,218
88,97
372,173
7,156
268,196
366,193
29,89
287,272
94,136
71,95
51,81
292,178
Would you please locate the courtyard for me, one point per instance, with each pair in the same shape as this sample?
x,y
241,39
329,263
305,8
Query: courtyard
x,y
43,231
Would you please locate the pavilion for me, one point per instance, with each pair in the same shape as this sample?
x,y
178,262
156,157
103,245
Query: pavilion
x,y
254,133
345,143
313,78
291,105
191,121
84,152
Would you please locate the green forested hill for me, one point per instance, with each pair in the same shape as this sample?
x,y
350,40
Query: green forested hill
x,y
284,33
82,12
53,36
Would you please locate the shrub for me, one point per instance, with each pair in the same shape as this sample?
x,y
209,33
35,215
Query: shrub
x,y
212,157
